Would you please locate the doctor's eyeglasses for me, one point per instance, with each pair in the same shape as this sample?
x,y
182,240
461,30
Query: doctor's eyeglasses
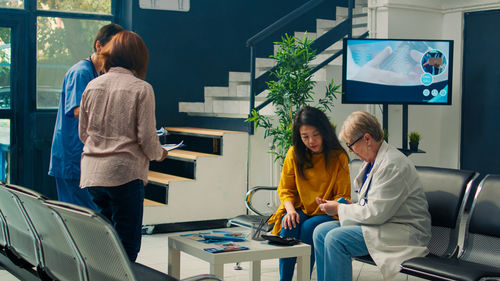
x,y
349,145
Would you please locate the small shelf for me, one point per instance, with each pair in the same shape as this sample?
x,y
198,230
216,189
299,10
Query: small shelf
x,y
407,152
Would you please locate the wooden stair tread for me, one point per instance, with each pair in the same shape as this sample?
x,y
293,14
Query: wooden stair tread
x,y
186,154
199,131
151,203
164,178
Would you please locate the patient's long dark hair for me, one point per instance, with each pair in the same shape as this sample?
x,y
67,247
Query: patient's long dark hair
x,y
312,116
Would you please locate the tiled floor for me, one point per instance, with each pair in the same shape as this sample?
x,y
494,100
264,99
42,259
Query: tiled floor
x,y
154,254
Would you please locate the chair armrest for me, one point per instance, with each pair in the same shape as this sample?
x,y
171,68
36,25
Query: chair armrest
x,y
251,193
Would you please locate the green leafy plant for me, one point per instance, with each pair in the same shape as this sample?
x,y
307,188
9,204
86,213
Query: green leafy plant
x,y
386,135
291,90
414,137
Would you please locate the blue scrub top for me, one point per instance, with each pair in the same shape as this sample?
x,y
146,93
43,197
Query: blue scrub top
x,y
66,145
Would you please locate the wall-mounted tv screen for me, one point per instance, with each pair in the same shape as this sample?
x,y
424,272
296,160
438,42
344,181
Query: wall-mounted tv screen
x,y
396,71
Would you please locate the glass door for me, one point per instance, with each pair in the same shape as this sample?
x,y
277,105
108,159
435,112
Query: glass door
x,y
5,102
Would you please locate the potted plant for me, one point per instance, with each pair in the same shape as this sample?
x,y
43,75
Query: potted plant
x,y
291,89
414,140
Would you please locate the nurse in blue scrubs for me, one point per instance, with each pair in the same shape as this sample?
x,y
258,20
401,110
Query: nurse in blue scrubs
x,y
66,145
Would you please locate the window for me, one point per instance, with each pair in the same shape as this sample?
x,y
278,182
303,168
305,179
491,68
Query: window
x,y
64,40
5,150
12,4
92,6
5,54
61,42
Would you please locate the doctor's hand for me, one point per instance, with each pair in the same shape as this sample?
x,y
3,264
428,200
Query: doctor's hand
x,y
330,207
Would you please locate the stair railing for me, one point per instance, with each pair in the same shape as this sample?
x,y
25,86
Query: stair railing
x,y
258,85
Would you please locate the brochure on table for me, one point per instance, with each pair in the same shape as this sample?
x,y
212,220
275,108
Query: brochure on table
x,y
224,240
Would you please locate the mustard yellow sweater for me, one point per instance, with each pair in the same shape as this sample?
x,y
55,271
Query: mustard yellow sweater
x,y
329,183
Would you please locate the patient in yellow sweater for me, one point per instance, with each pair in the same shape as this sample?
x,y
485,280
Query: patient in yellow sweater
x,y
315,166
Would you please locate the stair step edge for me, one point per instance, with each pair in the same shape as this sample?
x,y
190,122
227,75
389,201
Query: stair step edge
x,y
187,156
163,178
198,131
151,203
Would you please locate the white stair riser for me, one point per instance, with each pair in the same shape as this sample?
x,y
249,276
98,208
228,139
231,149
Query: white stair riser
x,y
343,11
239,77
216,91
320,30
191,107
213,187
209,104
303,35
265,62
236,106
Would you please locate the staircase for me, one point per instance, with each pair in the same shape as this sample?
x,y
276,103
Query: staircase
x,y
208,179
233,101
192,183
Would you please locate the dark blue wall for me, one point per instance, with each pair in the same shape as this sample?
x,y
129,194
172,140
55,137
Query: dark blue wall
x,y
190,50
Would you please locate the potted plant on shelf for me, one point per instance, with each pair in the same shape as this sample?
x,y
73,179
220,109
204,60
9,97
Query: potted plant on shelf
x,y
291,89
414,140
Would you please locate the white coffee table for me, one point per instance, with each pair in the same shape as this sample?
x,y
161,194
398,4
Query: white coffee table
x,y
257,252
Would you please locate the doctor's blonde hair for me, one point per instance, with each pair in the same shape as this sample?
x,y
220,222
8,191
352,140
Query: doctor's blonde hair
x,y
359,123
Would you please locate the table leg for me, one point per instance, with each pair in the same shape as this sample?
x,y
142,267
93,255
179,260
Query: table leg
x,y
255,270
174,263
303,268
217,270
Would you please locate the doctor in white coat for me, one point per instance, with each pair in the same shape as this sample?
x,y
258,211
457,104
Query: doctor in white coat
x,y
390,221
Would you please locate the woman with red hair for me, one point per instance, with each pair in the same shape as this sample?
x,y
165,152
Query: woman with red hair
x,y
118,130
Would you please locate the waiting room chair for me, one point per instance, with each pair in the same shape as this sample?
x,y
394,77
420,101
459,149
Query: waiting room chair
x,y
249,221
102,250
21,241
479,258
60,259
3,232
447,191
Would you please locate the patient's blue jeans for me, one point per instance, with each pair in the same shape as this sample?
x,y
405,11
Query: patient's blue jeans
x,y
304,232
123,206
335,246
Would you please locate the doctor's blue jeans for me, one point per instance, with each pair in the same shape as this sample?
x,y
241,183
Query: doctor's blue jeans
x,y
334,248
303,232
123,206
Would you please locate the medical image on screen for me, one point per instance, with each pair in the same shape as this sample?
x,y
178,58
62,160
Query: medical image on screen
x,y
396,71
433,62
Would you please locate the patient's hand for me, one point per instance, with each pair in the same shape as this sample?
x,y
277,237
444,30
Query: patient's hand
x,y
320,200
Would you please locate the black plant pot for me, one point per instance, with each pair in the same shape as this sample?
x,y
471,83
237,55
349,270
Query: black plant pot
x,y
414,146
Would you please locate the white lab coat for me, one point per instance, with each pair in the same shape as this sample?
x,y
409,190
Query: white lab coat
x,y
395,221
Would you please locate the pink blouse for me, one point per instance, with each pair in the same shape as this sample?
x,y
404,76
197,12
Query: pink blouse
x,y
118,129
